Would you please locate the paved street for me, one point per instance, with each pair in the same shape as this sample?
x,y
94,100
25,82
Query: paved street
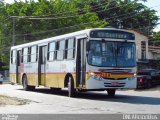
x,y
45,101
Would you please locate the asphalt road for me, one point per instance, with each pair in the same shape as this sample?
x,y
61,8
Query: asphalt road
x,y
45,101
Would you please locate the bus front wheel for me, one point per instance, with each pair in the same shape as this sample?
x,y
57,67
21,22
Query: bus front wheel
x,y
71,90
111,92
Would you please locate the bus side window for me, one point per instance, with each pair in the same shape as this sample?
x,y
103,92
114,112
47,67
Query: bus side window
x,y
13,56
51,51
70,48
25,55
60,51
33,56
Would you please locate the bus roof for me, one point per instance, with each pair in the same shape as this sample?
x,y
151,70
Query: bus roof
x,y
73,34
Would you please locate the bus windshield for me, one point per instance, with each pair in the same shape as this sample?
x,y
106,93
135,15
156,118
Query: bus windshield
x,y
111,54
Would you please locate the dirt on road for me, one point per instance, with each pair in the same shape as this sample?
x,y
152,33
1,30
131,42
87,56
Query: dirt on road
x,y
5,100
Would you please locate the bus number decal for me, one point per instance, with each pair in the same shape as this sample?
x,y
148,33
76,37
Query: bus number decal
x,y
106,75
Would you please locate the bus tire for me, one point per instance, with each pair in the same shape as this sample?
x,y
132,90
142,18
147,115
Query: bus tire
x,y
71,90
111,92
26,87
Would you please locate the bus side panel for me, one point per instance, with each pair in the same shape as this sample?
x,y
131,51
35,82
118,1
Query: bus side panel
x,y
28,70
13,66
19,77
51,74
51,80
66,66
33,74
12,77
12,72
56,72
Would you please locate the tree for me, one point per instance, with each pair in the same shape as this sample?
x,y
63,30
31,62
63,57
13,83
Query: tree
x,y
156,38
127,14
55,17
1,2
71,15
33,29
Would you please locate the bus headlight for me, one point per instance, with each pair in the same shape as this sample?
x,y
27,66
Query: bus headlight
x,y
94,76
97,77
132,78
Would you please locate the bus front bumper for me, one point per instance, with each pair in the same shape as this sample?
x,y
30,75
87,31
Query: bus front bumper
x,y
127,83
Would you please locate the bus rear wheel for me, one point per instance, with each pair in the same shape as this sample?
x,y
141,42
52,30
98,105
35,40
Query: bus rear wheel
x,y
111,92
26,87
71,90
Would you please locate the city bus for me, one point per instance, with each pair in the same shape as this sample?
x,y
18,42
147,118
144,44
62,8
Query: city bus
x,y
98,59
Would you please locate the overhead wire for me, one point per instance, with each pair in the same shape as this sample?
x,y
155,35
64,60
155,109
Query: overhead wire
x,y
86,23
81,24
69,16
101,5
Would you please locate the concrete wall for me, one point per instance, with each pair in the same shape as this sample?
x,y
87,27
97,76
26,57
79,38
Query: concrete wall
x,y
139,38
154,56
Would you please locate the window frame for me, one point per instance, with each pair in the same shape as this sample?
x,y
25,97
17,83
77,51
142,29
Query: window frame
x,y
27,61
73,48
11,58
36,54
60,50
54,51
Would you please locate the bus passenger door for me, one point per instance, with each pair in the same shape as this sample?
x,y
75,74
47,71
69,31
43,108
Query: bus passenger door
x,y
18,73
81,63
42,65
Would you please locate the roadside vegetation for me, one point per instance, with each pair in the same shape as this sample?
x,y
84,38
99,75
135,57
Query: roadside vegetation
x,y
30,21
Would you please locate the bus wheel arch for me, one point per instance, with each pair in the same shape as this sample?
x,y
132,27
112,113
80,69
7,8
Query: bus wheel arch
x,y
66,80
69,82
24,82
25,85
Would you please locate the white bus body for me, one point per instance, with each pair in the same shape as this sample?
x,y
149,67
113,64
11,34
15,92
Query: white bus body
x,y
92,59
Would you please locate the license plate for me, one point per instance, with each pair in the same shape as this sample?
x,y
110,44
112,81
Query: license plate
x,y
115,84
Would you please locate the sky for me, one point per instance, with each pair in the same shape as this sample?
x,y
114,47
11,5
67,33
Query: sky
x,y
154,4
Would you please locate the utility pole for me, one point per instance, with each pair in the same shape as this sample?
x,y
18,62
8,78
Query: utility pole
x,y
13,30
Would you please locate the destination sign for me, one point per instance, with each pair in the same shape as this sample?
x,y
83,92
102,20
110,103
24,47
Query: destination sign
x,y
113,34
